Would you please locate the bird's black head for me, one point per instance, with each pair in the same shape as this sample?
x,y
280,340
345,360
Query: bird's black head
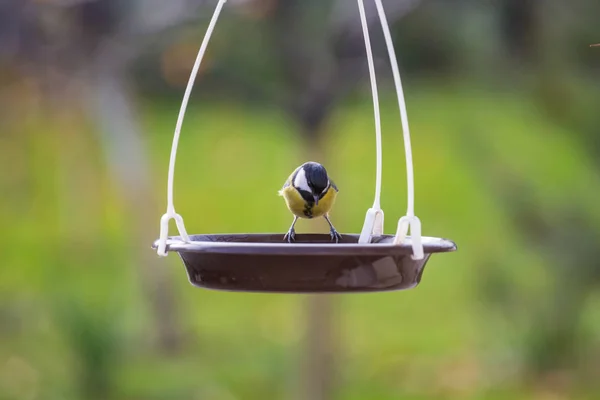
x,y
312,181
316,177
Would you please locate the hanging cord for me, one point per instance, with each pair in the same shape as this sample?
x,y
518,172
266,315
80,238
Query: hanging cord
x,y
374,220
171,214
409,220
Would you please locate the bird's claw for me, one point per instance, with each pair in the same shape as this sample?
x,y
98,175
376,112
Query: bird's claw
x,y
290,236
335,235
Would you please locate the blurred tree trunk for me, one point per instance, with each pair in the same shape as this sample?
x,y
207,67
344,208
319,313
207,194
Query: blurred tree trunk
x,y
536,34
112,107
116,32
320,341
319,377
520,28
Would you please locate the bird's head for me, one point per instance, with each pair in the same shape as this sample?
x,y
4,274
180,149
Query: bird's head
x,y
312,181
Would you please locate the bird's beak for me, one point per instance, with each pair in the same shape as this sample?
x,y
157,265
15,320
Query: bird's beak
x,y
316,197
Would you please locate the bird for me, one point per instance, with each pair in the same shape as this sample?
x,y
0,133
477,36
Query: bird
x,y
309,193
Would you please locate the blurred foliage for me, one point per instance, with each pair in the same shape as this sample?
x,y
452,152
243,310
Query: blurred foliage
x,y
502,100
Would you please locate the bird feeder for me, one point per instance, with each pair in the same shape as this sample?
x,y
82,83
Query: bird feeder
x,y
367,262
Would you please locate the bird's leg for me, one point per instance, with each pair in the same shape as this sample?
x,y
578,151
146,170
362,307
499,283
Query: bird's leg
x,y
334,234
290,236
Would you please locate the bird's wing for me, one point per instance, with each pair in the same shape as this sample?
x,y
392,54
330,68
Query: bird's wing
x,y
288,182
333,185
290,179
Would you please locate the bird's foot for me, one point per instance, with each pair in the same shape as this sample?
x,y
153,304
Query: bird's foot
x,y
335,235
290,236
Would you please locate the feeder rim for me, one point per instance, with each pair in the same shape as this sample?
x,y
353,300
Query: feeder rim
x,y
176,243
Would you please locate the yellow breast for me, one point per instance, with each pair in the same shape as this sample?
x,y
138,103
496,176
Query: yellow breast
x,y
300,208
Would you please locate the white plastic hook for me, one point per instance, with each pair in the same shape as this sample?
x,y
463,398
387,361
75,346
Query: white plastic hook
x,y
415,235
164,231
171,214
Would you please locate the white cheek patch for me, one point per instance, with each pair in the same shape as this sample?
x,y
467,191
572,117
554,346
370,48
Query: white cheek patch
x,y
326,188
300,181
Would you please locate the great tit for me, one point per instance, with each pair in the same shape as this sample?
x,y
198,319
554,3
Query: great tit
x,y
309,193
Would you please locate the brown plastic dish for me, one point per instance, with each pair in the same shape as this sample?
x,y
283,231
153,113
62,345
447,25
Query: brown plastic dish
x,y
313,264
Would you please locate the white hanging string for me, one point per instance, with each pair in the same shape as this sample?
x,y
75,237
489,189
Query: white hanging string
x,y
374,219
171,214
371,63
410,220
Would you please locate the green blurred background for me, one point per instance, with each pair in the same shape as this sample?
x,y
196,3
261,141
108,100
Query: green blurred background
x,y
503,100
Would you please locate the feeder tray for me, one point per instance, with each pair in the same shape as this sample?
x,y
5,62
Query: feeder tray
x,y
369,262
264,263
